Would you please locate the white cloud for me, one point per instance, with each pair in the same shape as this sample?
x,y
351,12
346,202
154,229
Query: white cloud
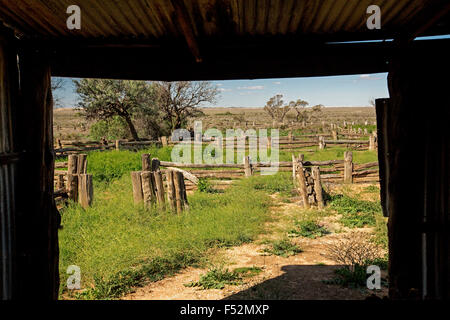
x,y
277,82
365,76
223,89
251,88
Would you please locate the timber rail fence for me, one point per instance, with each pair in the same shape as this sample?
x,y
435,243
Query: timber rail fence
x,y
222,175
289,142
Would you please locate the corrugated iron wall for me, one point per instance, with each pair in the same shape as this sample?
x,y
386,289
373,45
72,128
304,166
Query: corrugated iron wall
x,y
154,19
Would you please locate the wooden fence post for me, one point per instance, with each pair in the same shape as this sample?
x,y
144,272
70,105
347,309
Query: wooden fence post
x,y
137,186
72,187
317,186
290,136
146,163
85,190
159,189
82,164
247,166
335,135
171,190
294,173
72,163
321,142
371,143
117,145
177,178
348,167
60,182
72,178
269,143
164,141
301,184
148,189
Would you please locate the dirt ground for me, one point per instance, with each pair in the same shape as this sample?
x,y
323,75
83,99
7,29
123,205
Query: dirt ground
x,y
296,277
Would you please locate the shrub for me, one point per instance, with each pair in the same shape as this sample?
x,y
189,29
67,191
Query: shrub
x,y
283,248
216,278
308,229
354,248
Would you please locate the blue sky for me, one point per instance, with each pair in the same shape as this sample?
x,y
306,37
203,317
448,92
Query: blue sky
x,y
351,91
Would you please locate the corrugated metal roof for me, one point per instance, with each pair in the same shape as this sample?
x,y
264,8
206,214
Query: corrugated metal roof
x,y
155,19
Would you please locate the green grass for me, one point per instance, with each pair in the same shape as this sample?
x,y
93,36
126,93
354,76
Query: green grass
x,y
118,245
280,182
283,248
330,153
308,229
106,166
355,213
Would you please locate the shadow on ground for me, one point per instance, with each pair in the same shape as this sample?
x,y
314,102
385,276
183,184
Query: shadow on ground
x,y
304,282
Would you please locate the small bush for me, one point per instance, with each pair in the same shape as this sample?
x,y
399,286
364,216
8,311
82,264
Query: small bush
x,y
205,186
283,248
308,229
347,277
216,278
355,248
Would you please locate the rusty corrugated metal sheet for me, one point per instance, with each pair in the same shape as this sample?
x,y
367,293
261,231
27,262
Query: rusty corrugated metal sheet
x,y
154,19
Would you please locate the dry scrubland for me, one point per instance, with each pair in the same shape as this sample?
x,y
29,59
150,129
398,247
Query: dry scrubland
x,y
70,125
261,246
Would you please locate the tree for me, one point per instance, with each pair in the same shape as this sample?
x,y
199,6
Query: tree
x,y
274,107
300,108
179,100
102,99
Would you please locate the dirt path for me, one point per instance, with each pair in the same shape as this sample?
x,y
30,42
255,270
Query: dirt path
x,y
296,277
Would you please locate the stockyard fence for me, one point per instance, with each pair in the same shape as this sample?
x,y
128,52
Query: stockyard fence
x,y
159,180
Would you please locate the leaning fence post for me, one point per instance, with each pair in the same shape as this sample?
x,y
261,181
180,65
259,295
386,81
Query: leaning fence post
x,y
348,167
247,166
85,190
317,186
137,186
301,183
